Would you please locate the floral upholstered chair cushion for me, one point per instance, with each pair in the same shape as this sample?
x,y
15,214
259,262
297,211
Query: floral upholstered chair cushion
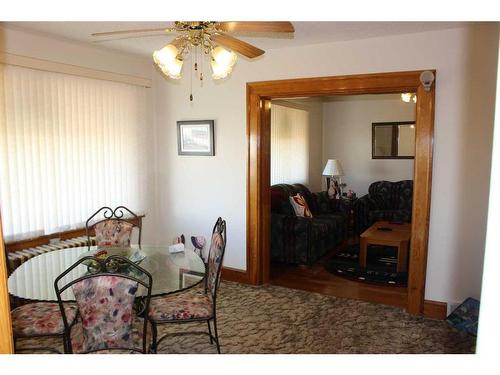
x,y
214,261
106,309
113,233
41,318
77,338
192,304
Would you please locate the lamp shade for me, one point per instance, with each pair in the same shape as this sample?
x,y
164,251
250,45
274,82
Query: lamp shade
x,y
168,61
333,168
222,62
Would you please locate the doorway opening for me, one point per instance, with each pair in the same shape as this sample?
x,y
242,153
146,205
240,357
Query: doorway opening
x,y
349,160
259,96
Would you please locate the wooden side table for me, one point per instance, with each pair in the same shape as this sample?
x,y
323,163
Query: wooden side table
x,y
398,236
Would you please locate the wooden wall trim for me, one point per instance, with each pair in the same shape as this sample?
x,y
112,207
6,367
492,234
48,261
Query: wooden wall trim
x,y
258,93
6,340
45,240
435,310
379,83
253,186
422,172
233,274
52,66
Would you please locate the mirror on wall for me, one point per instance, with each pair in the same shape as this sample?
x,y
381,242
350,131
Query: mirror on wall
x,y
393,140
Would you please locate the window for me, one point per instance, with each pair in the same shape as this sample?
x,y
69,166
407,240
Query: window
x,y
289,145
68,145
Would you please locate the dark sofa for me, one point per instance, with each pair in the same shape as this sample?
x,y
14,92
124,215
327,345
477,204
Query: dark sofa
x,y
299,240
385,201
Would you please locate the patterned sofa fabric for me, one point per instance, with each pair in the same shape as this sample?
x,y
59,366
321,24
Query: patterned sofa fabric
x,y
385,201
299,240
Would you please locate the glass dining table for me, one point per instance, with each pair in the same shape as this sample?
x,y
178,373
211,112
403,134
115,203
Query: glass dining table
x,y
171,272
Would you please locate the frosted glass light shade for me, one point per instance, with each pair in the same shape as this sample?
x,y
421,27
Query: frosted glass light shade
x,y
167,61
222,62
408,97
333,168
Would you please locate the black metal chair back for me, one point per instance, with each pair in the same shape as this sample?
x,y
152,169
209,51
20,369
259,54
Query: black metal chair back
x,y
108,267
118,215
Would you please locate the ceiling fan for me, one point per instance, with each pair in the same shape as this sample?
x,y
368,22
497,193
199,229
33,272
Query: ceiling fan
x,y
205,37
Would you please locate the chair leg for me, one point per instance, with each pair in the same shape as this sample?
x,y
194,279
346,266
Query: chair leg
x,y
65,344
210,332
216,335
154,331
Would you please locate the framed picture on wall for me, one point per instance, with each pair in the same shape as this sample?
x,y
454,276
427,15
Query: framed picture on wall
x,y
196,137
189,278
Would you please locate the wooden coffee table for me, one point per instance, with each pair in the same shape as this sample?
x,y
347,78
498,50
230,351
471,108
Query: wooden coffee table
x,y
398,236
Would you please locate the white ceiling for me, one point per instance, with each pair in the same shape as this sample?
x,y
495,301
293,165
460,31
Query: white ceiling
x,y
305,33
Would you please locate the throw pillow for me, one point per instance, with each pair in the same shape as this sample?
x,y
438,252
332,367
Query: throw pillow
x,y
300,206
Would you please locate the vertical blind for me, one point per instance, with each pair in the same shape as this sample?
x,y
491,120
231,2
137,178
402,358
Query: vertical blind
x,y
289,145
68,145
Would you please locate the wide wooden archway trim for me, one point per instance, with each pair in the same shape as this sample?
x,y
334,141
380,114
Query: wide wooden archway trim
x,y
6,339
259,95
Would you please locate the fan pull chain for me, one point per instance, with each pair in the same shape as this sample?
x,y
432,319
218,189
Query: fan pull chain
x,y
191,82
201,63
195,59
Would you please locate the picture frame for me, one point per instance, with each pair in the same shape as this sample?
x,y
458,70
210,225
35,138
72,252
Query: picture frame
x,y
189,278
393,140
195,138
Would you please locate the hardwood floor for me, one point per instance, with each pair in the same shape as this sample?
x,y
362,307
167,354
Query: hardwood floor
x,y
317,279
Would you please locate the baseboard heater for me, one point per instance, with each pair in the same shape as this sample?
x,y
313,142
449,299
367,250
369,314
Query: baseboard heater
x,y
16,258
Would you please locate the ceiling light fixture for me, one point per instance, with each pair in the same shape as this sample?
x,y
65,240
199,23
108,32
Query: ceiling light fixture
x,y
195,38
222,62
168,61
200,38
408,97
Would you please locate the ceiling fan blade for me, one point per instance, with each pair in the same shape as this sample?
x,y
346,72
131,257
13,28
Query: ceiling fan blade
x,y
237,45
108,33
104,40
245,26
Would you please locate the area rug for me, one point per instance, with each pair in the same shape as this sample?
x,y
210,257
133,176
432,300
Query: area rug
x,y
380,265
272,319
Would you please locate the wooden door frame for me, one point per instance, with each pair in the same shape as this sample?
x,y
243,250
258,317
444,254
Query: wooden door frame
x,y
259,95
6,339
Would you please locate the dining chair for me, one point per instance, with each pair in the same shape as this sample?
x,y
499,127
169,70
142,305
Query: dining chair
x,y
106,298
42,319
38,320
195,304
113,229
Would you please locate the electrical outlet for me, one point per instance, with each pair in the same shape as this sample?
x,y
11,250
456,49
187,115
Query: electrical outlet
x,y
54,241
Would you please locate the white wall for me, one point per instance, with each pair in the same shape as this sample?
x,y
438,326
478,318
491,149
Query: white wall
x,y
41,46
194,191
347,136
48,47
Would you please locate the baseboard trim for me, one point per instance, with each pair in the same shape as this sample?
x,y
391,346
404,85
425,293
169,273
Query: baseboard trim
x,y
233,274
435,310
432,309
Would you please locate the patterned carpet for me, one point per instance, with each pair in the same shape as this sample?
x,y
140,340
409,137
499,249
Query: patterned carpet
x,y
271,319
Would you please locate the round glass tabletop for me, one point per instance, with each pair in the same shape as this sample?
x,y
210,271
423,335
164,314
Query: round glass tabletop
x,y
34,279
